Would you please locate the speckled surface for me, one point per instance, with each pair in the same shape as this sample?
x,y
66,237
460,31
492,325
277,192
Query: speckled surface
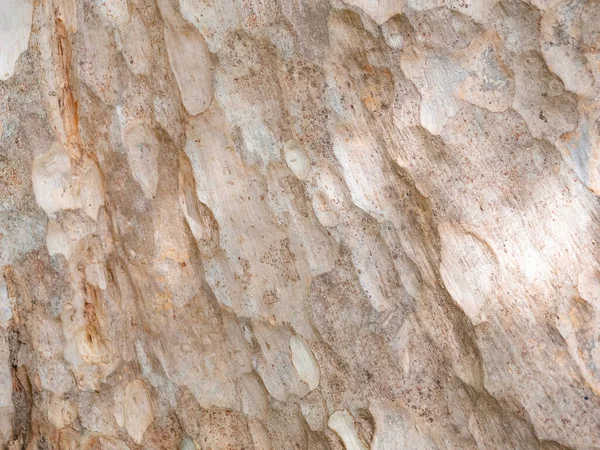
x,y
284,224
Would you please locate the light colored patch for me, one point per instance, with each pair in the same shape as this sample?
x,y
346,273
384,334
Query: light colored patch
x,y
490,84
6,306
437,77
560,36
328,200
116,12
296,159
15,26
468,270
57,241
142,156
54,376
136,46
188,444
215,20
67,11
47,337
541,100
343,424
423,5
51,178
58,187
138,412
275,365
94,275
304,362
190,63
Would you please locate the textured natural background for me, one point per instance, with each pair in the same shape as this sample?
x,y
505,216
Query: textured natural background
x,y
299,224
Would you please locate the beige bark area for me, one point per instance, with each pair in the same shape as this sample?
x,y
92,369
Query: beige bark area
x,y
283,224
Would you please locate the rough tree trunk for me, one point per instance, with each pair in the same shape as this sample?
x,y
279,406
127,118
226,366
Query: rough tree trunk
x,y
299,224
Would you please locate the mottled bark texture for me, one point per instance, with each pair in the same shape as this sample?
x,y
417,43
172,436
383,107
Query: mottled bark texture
x,y
299,224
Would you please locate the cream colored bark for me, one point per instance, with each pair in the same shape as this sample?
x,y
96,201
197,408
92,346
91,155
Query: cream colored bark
x,y
315,224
